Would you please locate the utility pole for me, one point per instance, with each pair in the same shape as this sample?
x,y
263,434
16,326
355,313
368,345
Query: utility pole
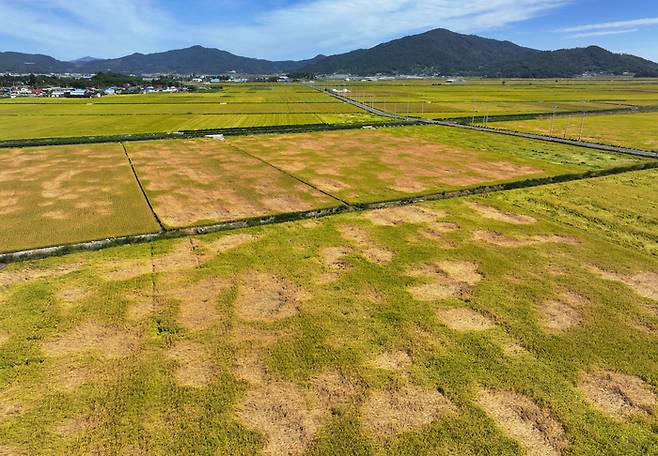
x,y
553,120
582,124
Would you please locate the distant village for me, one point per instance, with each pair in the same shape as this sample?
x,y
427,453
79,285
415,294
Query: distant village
x,y
13,85
30,85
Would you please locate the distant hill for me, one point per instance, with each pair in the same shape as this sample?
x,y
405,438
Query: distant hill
x,y
17,62
441,51
86,59
438,51
196,59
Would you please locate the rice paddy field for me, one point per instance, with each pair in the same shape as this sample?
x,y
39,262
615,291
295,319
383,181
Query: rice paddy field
x,y
366,166
469,326
204,181
254,105
516,322
80,193
637,130
65,194
475,99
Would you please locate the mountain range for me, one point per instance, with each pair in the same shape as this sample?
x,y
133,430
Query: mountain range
x,y
438,51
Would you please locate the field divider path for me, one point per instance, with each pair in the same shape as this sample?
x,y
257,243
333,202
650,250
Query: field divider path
x,y
143,190
64,249
302,181
553,139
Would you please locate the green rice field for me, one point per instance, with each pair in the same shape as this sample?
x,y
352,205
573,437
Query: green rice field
x,y
233,107
345,308
482,325
637,130
476,99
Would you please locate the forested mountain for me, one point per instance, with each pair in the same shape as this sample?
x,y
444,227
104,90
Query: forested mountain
x,y
438,51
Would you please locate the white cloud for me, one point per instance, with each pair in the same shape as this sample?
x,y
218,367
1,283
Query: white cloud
x,y
104,28
648,21
340,25
602,33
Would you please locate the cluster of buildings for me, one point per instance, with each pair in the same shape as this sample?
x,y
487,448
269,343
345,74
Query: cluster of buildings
x,y
72,92
53,92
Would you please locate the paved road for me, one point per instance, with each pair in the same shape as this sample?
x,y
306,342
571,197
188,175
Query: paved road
x,y
605,147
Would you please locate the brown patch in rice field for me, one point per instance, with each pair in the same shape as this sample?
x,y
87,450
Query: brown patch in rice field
x,y
72,426
142,305
644,284
198,303
436,230
3,338
392,360
250,368
389,413
126,269
185,254
71,297
493,213
514,349
25,274
461,271
194,367
495,238
446,279
333,388
407,184
562,313
645,326
361,238
463,319
309,224
9,408
56,215
7,450
266,297
333,257
108,341
231,241
535,428
403,215
69,376
619,395
280,411
374,295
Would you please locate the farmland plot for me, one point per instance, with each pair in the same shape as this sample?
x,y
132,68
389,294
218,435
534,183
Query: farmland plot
x,y
56,195
475,99
204,181
234,107
637,130
466,326
365,166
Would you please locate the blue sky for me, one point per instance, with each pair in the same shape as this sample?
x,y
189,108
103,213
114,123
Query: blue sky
x,y
295,29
